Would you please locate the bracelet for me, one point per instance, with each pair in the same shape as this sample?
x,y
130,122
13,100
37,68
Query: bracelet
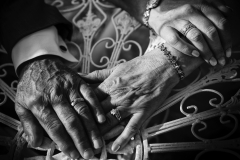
x,y
171,59
150,5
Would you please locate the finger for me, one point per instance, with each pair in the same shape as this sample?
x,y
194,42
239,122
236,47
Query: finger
x,y
112,121
97,76
48,119
221,6
100,93
128,149
195,36
30,125
131,129
222,26
171,36
136,141
210,34
108,104
74,127
93,102
113,132
90,125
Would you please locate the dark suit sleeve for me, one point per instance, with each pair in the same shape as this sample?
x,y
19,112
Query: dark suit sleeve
x,y
19,18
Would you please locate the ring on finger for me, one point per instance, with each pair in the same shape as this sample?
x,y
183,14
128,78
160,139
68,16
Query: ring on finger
x,y
187,28
116,114
77,100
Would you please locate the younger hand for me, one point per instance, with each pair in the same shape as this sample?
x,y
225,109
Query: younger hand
x,y
203,24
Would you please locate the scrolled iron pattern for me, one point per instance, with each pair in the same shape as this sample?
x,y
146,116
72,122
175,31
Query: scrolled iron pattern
x,y
195,107
88,26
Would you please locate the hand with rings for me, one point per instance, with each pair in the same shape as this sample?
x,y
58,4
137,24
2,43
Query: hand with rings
x,y
195,28
54,99
132,91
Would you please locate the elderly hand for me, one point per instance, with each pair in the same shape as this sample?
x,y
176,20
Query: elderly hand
x,y
136,89
44,94
201,22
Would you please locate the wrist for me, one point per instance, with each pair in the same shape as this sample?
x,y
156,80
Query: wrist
x,y
163,66
26,65
187,63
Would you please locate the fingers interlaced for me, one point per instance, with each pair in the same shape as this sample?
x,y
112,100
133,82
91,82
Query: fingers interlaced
x,y
88,121
49,120
93,102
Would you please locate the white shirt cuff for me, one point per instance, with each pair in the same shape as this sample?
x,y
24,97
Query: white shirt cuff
x,y
43,42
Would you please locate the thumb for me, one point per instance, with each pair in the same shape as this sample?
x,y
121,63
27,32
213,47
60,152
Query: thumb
x,y
97,76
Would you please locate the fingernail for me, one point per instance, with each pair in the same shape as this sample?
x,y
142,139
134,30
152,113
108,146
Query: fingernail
x,y
74,154
101,118
222,61
195,53
97,143
88,154
115,148
213,61
229,52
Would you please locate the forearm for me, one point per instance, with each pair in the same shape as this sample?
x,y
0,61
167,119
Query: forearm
x,y
188,64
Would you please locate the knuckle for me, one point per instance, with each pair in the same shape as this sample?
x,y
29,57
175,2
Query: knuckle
x,y
195,35
53,125
83,143
188,9
71,119
173,40
88,92
96,73
204,8
48,121
56,95
222,23
82,109
186,49
211,32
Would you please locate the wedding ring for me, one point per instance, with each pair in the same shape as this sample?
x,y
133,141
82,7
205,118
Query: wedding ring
x,y
116,113
187,28
77,100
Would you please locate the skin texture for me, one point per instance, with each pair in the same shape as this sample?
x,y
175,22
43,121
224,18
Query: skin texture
x,y
47,88
44,94
211,38
137,88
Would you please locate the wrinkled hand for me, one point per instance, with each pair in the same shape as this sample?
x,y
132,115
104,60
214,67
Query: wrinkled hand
x,y
136,88
211,37
44,94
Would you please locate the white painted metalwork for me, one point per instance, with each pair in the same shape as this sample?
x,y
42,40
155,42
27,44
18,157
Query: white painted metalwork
x,y
99,27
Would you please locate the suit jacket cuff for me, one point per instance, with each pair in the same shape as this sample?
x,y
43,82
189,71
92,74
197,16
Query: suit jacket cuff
x,y
44,42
